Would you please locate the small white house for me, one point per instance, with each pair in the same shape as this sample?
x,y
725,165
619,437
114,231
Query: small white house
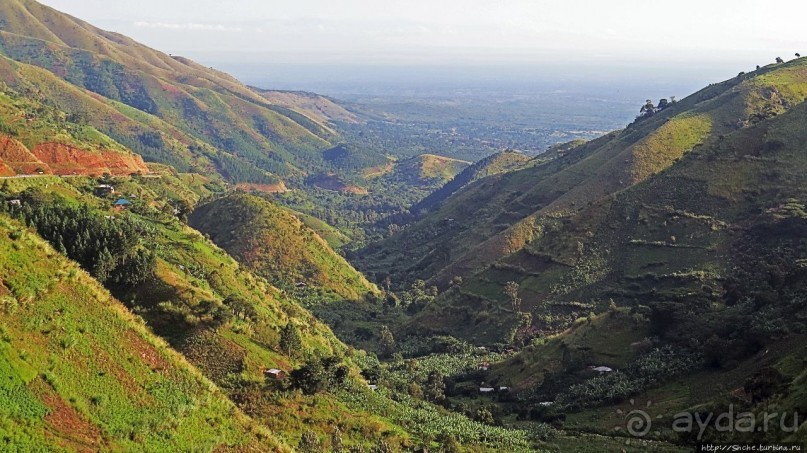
x,y
486,389
601,369
546,403
275,373
372,387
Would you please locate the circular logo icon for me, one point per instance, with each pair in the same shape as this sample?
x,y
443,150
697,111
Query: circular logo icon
x,y
638,423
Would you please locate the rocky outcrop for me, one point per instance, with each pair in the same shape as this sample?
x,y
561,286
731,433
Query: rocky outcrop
x,y
18,159
69,160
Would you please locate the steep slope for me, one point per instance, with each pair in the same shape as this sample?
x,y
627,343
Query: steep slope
x,y
37,138
242,127
499,215
279,246
675,237
228,322
319,108
491,165
80,373
428,169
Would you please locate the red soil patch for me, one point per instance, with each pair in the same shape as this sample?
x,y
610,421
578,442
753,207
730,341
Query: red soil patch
x,y
68,160
5,170
146,351
65,424
17,157
266,188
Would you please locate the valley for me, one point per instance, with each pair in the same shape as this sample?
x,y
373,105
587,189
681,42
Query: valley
x,y
190,263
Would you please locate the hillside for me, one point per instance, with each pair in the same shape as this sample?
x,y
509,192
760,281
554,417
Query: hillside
x,y
319,108
225,320
669,256
37,138
428,169
215,121
706,251
491,165
80,373
277,245
499,215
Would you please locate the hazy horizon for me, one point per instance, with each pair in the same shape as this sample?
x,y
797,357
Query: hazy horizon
x,y
624,46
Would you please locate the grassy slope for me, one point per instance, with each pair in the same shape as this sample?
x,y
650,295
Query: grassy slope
x,y
79,372
318,108
675,226
499,215
278,245
204,104
192,271
142,132
30,125
426,169
491,165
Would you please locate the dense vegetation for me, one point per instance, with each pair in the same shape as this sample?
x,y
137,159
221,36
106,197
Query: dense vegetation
x,y
277,245
519,303
113,252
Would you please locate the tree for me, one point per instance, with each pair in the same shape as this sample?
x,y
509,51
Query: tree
x,y
310,378
779,60
511,291
484,415
384,447
663,104
435,387
241,309
648,109
319,375
291,343
386,341
798,55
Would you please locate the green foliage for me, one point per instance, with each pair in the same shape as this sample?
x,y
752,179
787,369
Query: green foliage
x,y
429,423
76,365
112,251
386,341
290,341
434,388
319,374
650,370
278,246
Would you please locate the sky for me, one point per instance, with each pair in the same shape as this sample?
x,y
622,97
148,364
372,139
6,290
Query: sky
x,y
702,36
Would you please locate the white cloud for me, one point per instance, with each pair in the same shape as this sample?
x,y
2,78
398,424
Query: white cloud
x,y
186,26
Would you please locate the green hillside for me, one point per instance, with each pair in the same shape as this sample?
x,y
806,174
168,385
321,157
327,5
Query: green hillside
x,y
223,319
277,245
491,165
671,253
80,373
428,169
499,215
212,116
